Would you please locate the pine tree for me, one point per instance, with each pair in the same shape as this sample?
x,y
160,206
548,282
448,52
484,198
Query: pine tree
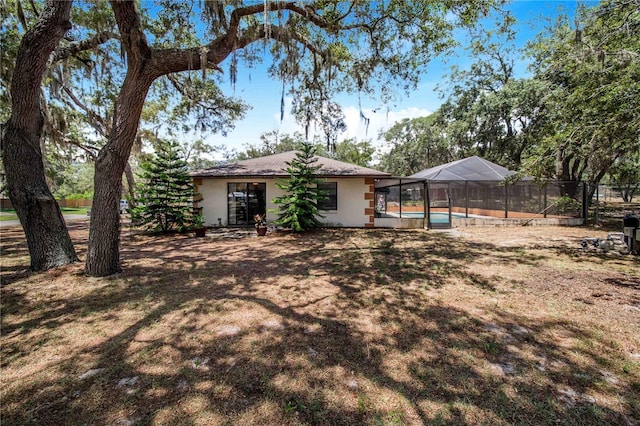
x,y
165,193
298,208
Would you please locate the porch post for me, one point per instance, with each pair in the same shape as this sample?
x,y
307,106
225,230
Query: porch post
x,y
449,202
400,199
428,201
466,199
425,218
506,200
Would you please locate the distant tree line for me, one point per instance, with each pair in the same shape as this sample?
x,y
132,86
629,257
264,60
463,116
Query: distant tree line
x,y
577,118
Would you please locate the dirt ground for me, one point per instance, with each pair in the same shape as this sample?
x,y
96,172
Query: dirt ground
x,y
339,326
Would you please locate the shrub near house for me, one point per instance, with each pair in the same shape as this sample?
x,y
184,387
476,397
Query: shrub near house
x,y
165,193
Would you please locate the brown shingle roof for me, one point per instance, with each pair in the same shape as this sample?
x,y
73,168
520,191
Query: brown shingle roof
x,y
274,165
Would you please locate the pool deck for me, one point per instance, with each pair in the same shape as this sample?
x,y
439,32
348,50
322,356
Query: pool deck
x,y
485,221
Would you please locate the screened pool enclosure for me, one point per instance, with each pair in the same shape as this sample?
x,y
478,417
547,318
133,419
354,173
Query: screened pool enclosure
x,y
475,190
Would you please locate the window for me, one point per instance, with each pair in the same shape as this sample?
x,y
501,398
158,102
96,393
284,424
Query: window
x,y
330,192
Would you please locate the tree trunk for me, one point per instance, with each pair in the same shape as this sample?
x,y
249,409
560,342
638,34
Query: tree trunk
x,y
594,182
131,184
143,67
628,190
47,236
103,257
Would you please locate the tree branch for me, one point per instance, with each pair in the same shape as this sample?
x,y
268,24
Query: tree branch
x,y
88,44
32,59
34,8
131,33
91,151
278,34
307,12
185,92
96,120
57,135
169,61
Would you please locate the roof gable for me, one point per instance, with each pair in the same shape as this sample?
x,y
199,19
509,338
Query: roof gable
x,y
468,169
275,165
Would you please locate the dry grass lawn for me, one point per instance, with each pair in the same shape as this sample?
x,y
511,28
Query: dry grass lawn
x,y
354,327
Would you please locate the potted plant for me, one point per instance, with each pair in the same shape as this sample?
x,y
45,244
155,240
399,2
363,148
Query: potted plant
x,y
261,223
198,226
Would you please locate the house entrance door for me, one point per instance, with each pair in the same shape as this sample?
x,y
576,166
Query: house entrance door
x,y
439,206
244,200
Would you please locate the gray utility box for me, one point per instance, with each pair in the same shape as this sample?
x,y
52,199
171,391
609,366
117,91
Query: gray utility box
x,y
631,231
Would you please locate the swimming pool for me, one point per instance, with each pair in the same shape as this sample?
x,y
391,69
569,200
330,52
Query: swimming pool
x,y
435,217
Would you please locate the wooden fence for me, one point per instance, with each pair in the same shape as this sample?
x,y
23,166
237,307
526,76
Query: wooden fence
x,y
5,203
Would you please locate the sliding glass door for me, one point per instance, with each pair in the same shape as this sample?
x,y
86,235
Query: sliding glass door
x,y
244,200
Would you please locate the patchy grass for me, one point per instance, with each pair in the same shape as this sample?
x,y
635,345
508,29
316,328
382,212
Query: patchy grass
x,y
373,327
10,214
75,210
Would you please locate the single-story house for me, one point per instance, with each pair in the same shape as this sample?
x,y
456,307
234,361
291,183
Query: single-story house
x,y
233,193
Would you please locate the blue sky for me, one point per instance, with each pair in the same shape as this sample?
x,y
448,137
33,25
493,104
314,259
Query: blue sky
x,y
263,94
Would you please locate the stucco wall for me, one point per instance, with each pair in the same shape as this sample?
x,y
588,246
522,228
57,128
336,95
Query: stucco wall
x,y
355,201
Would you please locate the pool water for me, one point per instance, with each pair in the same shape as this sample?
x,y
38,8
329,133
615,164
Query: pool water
x,y
434,217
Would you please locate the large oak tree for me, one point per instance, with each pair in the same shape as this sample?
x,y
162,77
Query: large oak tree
x,y
76,92
489,111
324,46
47,236
415,144
592,69
318,49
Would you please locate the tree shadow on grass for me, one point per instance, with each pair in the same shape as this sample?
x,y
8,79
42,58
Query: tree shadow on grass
x,y
302,330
